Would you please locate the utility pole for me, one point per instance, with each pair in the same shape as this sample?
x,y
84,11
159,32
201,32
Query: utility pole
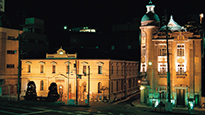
x,y
19,68
76,82
168,105
88,85
168,68
68,83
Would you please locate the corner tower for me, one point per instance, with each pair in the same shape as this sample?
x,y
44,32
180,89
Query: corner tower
x,y
150,23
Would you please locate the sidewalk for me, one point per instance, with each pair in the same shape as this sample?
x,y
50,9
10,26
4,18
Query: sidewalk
x,y
175,110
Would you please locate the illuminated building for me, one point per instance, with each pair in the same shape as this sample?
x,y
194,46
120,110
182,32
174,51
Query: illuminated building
x,y
2,5
33,44
109,78
9,60
184,60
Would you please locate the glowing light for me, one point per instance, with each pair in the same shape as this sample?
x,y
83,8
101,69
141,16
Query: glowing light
x,y
201,15
150,63
142,87
139,81
65,27
156,103
191,105
61,52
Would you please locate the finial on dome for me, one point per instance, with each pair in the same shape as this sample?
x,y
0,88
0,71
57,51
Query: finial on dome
x,y
171,17
150,7
150,2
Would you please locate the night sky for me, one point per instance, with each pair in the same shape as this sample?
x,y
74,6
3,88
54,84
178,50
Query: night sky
x,y
96,13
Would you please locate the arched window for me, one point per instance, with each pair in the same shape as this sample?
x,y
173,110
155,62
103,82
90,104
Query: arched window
x,y
41,85
99,87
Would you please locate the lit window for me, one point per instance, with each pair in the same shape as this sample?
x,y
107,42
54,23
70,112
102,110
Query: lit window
x,y
162,50
41,68
99,87
29,68
84,70
99,69
180,69
41,85
162,69
180,50
53,69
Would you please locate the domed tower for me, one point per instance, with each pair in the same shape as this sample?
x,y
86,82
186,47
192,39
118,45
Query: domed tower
x,y
150,23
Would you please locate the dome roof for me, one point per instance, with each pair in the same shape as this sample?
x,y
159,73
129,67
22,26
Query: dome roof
x,y
150,16
172,25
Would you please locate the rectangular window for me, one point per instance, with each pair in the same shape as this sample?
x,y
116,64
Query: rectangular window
x,y
67,69
84,70
143,50
41,85
162,50
41,68
11,37
162,69
180,50
117,70
99,69
29,68
180,69
10,66
1,81
11,51
162,92
53,69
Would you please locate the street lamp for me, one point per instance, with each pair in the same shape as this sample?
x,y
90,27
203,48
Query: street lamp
x,y
201,16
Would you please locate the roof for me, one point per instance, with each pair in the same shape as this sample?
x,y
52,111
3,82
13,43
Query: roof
x,y
93,53
172,25
150,16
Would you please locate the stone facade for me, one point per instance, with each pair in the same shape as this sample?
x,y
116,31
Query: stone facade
x,y
184,62
110,79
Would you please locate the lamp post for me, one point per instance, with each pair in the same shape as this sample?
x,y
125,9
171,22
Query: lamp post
x,y
68,84
88,85
19,68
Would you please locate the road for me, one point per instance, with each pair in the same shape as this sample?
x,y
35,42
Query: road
x,y
97,108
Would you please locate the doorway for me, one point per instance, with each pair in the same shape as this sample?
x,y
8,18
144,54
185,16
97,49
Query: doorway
x,y
180,97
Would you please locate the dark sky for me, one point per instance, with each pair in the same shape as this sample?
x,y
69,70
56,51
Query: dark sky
x,y
98,13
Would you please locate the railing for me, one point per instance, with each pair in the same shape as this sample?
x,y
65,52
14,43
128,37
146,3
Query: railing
x,y
162,73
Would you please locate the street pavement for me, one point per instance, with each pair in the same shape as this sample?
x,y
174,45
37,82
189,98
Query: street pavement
x,y
129,106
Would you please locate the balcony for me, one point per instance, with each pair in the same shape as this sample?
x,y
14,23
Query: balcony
x,y
181,74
